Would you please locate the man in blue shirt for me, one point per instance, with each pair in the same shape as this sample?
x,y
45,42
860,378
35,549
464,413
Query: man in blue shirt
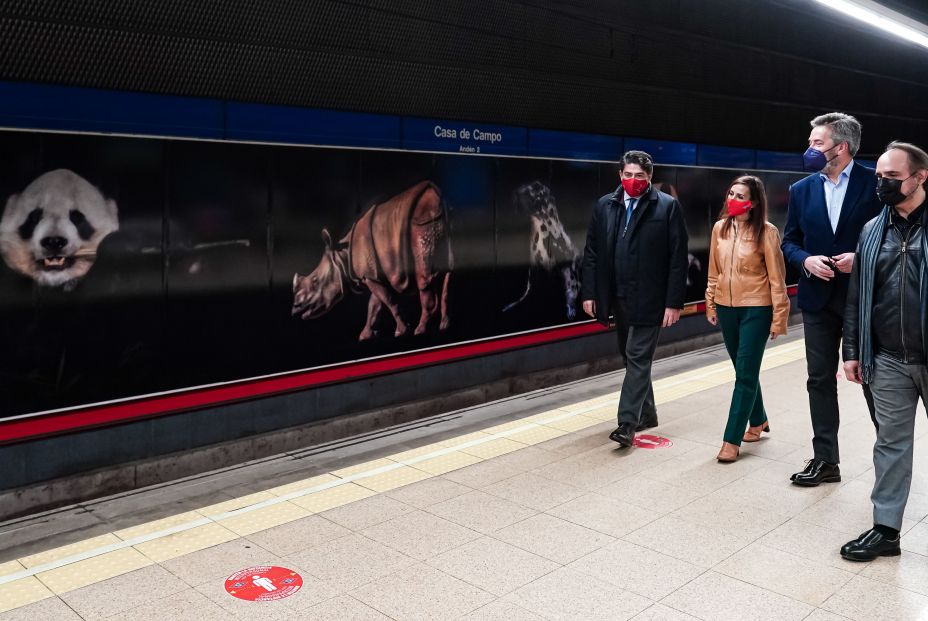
x,y
827,210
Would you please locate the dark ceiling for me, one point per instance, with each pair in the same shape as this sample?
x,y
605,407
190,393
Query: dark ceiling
x,y
725,72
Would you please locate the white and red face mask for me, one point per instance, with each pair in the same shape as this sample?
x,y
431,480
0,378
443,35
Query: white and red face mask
x,y
635,187
737,208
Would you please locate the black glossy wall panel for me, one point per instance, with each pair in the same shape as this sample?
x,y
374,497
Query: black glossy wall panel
x,y
193,280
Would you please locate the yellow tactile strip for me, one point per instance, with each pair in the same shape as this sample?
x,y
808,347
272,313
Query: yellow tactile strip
x,y
50,556
87,562
246,523
179,544
20,592
334,497
94,569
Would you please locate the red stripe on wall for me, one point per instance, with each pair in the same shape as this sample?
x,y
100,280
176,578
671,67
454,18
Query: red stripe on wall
x,y
146,407
80,418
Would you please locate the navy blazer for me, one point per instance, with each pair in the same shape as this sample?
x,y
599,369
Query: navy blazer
x,y
808,231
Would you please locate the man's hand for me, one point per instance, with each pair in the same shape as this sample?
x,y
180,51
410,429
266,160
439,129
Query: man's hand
x,y
671,316
819,267
773,336
844,262
589,307
852,371
713,319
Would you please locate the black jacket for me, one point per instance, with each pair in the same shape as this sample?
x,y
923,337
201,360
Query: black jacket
x,y
656,249
896,317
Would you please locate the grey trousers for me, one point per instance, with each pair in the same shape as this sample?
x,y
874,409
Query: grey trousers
x,y
637,345
897,388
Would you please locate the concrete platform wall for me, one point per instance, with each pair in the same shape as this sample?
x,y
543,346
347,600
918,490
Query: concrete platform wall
x,y
55,471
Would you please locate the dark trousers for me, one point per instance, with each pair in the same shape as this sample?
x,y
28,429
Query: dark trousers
x,y
745,330
637,345
823,330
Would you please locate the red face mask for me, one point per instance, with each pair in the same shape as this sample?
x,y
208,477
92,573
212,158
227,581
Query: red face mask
x,y
736,207
635,187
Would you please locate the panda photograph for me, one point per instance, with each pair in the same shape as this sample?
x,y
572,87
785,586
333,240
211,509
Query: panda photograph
x,y
76,325
50,231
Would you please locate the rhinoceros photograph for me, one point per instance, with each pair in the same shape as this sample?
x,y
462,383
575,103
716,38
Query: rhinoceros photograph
x,y
399,247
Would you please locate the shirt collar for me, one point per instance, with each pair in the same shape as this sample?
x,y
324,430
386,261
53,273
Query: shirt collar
x,y
620,195
637,199
846,173
915,216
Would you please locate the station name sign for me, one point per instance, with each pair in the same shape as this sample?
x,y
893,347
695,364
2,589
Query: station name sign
x,y
476,138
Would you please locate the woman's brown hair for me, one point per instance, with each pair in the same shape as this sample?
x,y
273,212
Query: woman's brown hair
x,y
757,218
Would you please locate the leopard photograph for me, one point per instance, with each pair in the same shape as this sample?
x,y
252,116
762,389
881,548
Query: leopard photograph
x,y
551,251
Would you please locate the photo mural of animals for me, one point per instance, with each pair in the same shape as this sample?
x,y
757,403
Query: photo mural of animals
x,y
134,266
551,248
50,231
402,246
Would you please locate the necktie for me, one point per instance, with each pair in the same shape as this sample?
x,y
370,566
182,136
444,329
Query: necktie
x,y
629,210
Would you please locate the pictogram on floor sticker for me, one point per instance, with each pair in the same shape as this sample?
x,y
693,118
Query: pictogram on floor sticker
x,y
265,583
646,441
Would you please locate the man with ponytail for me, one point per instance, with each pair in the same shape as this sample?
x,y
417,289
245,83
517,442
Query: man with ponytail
x,y
885,334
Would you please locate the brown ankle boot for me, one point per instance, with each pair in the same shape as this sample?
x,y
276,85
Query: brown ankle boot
x,y
753,433
729,453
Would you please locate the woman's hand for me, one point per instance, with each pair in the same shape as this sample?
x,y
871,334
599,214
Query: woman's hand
x,y
773,335
713,319
589,307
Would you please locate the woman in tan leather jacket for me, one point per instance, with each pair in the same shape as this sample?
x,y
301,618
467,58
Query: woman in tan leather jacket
x,y
747,296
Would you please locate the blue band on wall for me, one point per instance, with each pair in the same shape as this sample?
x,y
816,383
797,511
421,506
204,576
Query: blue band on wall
x,y
725,157
66,108
665,152
307,126
573,145
777,160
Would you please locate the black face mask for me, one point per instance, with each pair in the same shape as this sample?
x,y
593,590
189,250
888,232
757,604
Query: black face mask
x,y
889,191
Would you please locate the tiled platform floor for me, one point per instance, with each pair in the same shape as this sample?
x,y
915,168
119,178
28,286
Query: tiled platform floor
x,y
520,510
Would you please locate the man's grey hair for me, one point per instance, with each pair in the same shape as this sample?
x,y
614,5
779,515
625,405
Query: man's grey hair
x,y
844,128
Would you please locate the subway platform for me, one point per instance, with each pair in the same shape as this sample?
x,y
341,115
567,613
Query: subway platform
x,y
518,509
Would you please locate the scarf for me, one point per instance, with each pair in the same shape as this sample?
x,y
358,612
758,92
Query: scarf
x,y
869,250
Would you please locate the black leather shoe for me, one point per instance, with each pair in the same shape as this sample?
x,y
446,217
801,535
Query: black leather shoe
x,y
624,434
816,472
870,545
810,464
647,423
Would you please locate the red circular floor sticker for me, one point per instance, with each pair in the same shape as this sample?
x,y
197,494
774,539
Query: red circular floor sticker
x,y
265,583
646,441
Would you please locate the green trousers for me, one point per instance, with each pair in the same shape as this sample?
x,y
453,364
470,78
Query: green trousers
x,y
745,329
